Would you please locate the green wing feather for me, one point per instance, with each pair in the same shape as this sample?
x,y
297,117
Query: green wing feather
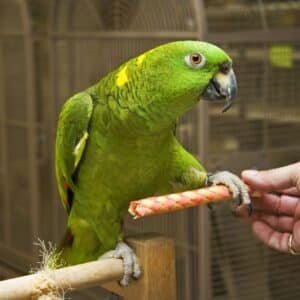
x,y
71,138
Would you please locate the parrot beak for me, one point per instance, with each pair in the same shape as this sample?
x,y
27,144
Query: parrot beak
x,y
222,87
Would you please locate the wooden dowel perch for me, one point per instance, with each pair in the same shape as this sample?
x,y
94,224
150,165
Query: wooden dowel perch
x,y
157,258
177,201
74,277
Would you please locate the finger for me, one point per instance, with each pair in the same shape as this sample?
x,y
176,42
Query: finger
x,y
278,223
291,191
270,237
297,211
276,204
274,179
296,236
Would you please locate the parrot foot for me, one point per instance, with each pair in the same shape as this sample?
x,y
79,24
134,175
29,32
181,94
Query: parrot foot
x,y
237,187
130,262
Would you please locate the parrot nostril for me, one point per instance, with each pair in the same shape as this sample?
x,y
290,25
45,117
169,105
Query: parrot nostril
x,y
225,68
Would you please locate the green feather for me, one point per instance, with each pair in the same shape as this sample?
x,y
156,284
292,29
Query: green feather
x,y
72,133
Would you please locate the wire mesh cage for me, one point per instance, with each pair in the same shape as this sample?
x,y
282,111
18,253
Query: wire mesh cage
x,y
51,49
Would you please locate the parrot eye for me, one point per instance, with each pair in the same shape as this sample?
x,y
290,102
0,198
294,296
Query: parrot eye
x,y
195,60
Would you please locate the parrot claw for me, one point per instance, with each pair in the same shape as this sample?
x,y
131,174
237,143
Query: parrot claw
x,y
237,187
249,209
130,262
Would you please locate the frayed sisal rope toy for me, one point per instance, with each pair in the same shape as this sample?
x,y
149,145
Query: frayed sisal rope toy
x,y
177,201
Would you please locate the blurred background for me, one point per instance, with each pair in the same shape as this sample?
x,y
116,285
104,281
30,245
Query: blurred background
x,y
51,49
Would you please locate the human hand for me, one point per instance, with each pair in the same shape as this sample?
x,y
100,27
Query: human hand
x,y
276,211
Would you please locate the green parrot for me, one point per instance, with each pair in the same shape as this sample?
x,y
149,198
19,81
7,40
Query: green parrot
x,y
116,142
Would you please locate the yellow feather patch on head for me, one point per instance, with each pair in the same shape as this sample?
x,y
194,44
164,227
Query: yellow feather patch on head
x,y
122,77
140,59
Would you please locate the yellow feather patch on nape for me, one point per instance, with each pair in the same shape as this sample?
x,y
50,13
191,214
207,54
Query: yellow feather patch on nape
x,y
122,77
140,59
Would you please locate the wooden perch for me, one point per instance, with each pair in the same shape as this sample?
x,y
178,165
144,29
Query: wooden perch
x,y
157,259
74,277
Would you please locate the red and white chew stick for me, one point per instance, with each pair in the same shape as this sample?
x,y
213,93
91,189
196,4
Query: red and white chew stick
x,y
172,202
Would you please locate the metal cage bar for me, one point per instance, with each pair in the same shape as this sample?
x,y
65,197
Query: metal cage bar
x,y
31,119
4,159
202,217
246,36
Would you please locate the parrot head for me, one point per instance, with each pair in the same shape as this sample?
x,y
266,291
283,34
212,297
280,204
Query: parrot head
x,y
170,79
185,72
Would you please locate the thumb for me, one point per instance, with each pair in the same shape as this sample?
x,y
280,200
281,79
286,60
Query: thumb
x,y
274,179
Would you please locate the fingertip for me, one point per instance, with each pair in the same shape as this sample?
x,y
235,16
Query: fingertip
x,y
255,179
249,174
259,227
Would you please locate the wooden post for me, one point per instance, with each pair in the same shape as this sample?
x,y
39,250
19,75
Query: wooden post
x,y
157,258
